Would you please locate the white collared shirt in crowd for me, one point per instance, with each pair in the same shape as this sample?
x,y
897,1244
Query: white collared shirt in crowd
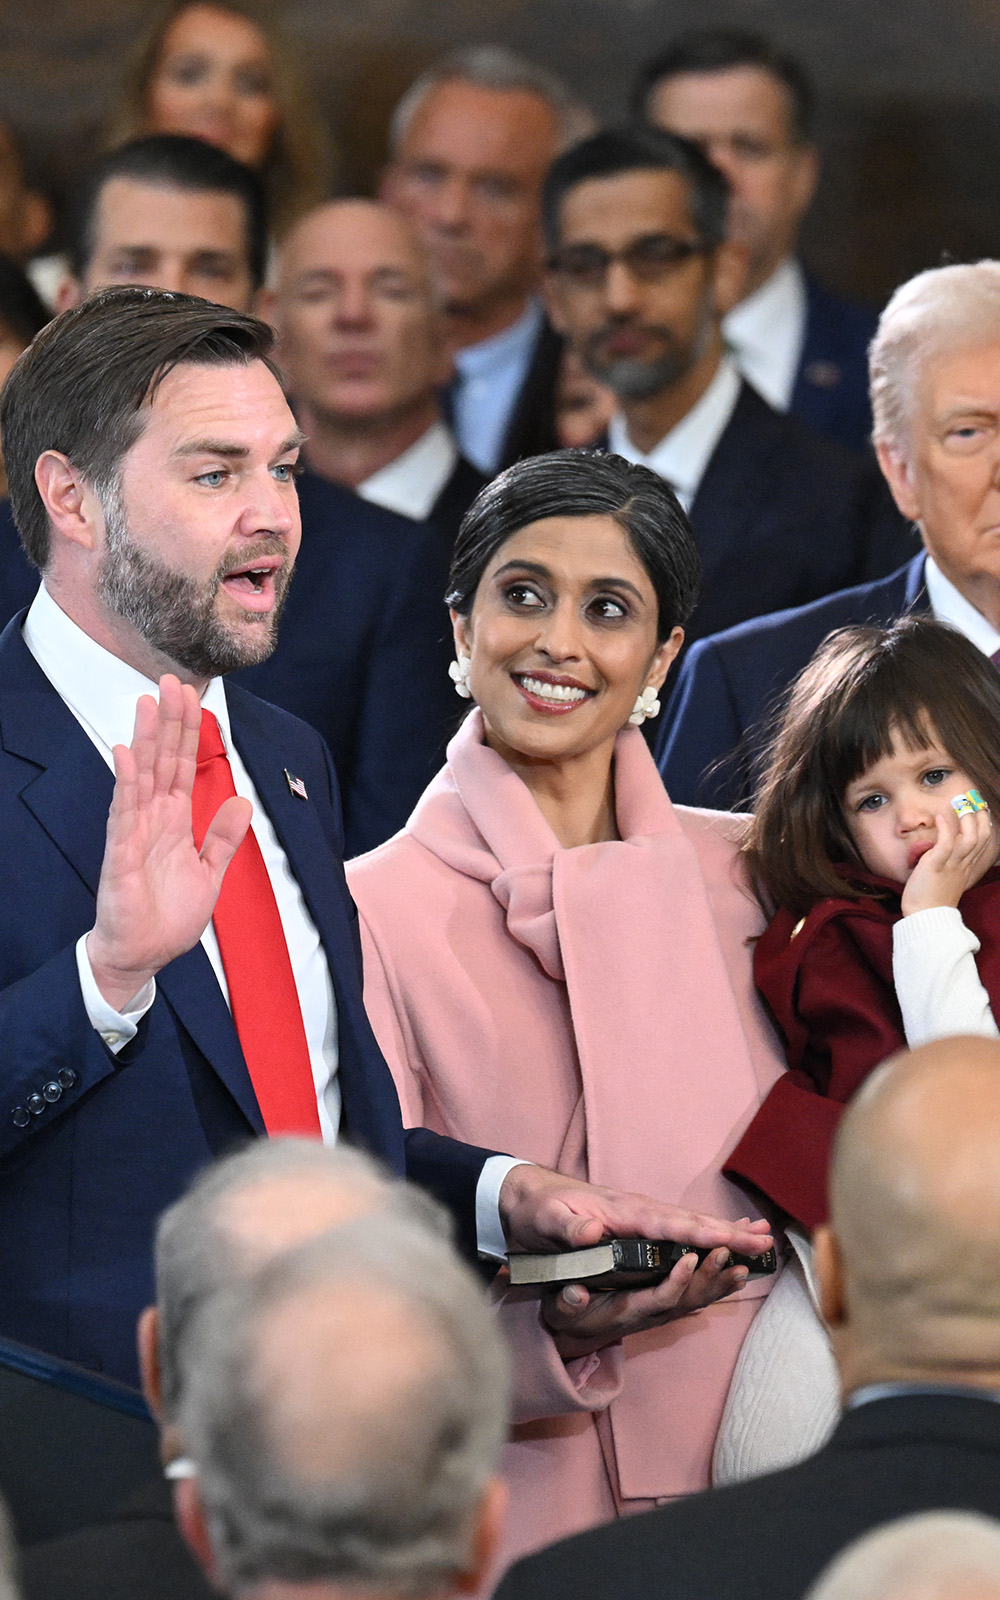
x,y
411,484
491,375
101,691
947,605
766,332
683,454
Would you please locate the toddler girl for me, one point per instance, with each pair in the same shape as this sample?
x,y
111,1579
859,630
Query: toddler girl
x,y
887,931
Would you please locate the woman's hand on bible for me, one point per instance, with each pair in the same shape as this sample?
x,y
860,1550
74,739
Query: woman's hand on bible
x,y
583,1320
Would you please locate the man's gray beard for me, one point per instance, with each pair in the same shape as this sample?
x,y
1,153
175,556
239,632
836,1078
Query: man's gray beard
x,y
638,380
174,612
631,379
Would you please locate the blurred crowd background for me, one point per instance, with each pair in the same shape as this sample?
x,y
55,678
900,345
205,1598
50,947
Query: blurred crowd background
x,y
908,116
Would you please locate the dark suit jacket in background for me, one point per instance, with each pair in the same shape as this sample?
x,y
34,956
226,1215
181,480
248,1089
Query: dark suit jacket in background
x,y
18,578
364,647
769,1538
713,728
102,1153
782,517
831,385
531,430
133,1553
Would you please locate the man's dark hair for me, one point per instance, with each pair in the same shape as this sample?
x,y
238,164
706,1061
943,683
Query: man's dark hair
x,y
170,159
719,50
22,313
639,149
82,386
583,483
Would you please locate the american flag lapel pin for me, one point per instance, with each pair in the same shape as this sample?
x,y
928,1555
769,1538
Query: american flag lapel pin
x,y
295,785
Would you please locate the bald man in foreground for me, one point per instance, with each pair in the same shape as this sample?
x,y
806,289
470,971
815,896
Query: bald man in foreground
x,y
365,644
909,1272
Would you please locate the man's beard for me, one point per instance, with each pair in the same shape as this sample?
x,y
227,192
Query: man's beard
x,y
176,613
642,377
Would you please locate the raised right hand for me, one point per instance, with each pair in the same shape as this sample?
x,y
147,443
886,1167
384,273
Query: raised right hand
x,y
157,891
964,849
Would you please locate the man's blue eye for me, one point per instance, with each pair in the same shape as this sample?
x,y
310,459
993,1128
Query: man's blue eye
x,y
212,479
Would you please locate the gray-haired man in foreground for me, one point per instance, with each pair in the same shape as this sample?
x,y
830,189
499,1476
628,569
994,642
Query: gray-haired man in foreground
x,y
238,1215
344,1411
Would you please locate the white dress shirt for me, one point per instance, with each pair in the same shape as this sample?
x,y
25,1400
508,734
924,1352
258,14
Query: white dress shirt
x,y
491,375
933,952
766,332
410,485
683,454
101,691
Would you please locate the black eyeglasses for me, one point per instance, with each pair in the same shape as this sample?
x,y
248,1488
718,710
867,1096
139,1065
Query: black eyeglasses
x,y
649,259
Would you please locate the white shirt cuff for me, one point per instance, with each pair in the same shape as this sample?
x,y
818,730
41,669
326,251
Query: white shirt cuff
x,y
489,1229
118,1028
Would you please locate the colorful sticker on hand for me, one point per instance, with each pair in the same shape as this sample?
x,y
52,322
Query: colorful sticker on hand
x,y
964,805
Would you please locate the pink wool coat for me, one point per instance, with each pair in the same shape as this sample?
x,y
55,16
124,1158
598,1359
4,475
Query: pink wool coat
x,y
593,1010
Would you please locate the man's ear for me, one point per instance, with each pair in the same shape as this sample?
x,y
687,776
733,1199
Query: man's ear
x,y
731,267
266,307
485,1537
553,303
189,1514
72,506
806,177
829,1276
897,474
69,294
148,1341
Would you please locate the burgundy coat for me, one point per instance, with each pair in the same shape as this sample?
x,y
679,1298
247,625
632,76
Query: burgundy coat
x,y
828,982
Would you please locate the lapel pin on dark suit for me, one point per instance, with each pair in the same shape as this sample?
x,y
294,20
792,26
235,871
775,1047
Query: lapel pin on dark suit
x,y
823,374
295,785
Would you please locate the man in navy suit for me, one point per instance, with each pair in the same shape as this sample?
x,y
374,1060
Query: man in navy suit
x,y
936,398
750,108
151,457
365,651
640,275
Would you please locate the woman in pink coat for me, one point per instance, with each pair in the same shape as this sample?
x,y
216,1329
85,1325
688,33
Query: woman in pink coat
x,y
557,961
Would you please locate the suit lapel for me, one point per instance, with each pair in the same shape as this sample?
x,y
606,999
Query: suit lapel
x,y
737,476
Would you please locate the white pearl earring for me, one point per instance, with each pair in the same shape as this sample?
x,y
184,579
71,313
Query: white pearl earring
x,y
458,672
646,705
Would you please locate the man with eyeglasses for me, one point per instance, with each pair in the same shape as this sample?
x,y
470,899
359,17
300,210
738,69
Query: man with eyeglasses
x,y
640,276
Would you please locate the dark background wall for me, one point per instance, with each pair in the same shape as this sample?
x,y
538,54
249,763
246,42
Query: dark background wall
x,y
910,118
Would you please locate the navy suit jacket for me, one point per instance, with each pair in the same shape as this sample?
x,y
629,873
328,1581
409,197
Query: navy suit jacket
x,y
831,385
364,646
782,517
108,1141
771,1537
715,723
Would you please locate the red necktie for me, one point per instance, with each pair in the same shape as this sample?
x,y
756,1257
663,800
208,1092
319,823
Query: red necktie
x,y
262,993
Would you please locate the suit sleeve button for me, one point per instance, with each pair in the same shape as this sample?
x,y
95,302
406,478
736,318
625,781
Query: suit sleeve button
x,y
36,1105
52,1092
20,1116
67,1077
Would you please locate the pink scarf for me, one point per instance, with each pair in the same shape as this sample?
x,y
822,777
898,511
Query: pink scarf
x,y
667,1073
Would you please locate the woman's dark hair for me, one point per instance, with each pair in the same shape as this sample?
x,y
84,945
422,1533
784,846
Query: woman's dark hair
x,y
919,681
583,483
